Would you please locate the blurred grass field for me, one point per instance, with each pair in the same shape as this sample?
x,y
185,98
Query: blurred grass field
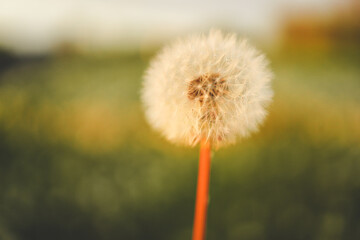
x,y
79,161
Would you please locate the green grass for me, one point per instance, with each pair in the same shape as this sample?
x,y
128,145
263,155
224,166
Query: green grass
x,y
79,161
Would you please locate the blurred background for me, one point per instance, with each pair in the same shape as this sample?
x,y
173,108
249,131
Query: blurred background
x,y
79,161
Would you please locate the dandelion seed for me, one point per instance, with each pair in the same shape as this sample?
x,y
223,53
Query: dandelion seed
x,y
205,78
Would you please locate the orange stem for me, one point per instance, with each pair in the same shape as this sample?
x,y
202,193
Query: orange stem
x,y
202,192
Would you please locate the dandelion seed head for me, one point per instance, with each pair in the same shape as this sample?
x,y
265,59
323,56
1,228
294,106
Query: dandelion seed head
x,y
212,86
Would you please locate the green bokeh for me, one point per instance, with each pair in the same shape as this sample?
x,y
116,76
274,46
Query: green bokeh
x,y
79,161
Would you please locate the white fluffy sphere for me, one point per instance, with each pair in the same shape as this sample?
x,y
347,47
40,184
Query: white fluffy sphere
x,y
211,86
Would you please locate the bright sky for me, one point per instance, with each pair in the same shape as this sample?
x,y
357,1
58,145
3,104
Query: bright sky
x,y
28,26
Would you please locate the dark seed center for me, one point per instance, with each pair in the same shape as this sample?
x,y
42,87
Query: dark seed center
x,y
207,87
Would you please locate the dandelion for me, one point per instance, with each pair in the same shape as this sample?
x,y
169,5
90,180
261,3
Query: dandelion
x,y
208,89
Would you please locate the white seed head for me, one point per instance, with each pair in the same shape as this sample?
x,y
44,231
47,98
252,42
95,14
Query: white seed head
x,y
211,86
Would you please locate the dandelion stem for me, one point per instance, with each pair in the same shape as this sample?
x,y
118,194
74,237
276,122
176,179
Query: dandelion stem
x,y
202,192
